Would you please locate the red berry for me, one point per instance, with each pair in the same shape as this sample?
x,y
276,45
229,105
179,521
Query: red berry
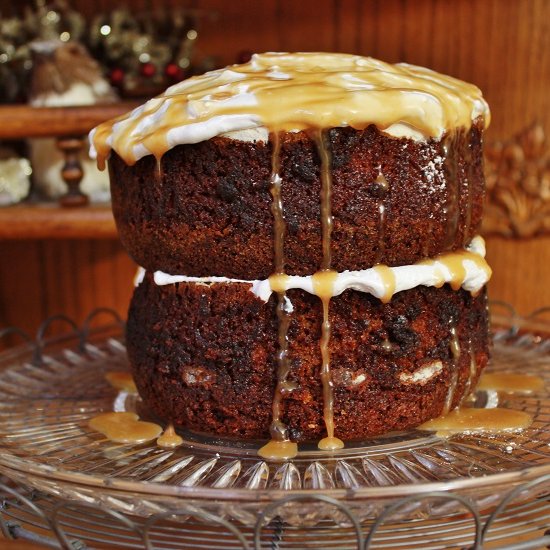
x,y
174,72
148,70
116,76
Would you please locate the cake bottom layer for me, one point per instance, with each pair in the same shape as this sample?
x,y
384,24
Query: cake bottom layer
x,y
204,356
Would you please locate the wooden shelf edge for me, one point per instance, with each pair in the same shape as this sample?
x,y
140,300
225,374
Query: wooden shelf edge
x,y
51,221
24,121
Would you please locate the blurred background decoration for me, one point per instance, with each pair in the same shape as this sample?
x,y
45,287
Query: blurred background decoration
x,y
15,175
140,53
52,56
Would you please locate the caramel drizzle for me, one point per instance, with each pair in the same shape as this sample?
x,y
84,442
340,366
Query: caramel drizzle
x,y
159,168
327,222
455,352
279,227
309,86
278,430
323,282
388,280
454,262
101,142
169,439
280,446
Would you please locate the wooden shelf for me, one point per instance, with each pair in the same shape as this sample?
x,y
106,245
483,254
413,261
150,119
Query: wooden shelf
x,y
51,221
22,121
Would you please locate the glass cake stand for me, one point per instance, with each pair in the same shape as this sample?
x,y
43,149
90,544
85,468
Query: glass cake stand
x,y
405,490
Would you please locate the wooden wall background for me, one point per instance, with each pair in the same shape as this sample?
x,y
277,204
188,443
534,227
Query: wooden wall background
x,y
501,45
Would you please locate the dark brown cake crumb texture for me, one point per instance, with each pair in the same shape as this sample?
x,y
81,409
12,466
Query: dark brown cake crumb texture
x,y
206,209
204,357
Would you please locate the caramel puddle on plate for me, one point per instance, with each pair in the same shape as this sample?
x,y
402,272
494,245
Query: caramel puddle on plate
x,y
330,444
169,438
279,450
125,427
122,381
511,383
489,421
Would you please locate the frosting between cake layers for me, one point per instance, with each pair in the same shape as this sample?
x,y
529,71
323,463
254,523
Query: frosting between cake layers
x,y
293,92
465,269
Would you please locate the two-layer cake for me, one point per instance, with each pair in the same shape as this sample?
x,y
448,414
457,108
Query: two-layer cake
x,y
306,224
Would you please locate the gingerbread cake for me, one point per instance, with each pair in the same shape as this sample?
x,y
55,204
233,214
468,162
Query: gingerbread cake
x,y
306,226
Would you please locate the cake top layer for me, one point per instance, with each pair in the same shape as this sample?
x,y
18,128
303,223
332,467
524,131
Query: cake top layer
x,y
293,92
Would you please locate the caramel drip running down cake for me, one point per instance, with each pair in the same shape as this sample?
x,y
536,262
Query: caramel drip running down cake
x,y
307,230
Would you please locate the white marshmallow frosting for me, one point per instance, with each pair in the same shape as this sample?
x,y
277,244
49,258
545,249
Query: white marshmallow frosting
x,y
292,92
476,273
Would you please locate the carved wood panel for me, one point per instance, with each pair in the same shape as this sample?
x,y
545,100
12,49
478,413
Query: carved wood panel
x,y
518,185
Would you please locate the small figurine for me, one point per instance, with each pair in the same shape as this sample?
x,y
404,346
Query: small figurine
x,y
64,74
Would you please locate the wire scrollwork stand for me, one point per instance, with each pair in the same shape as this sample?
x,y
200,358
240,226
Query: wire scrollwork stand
x,y
67,489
